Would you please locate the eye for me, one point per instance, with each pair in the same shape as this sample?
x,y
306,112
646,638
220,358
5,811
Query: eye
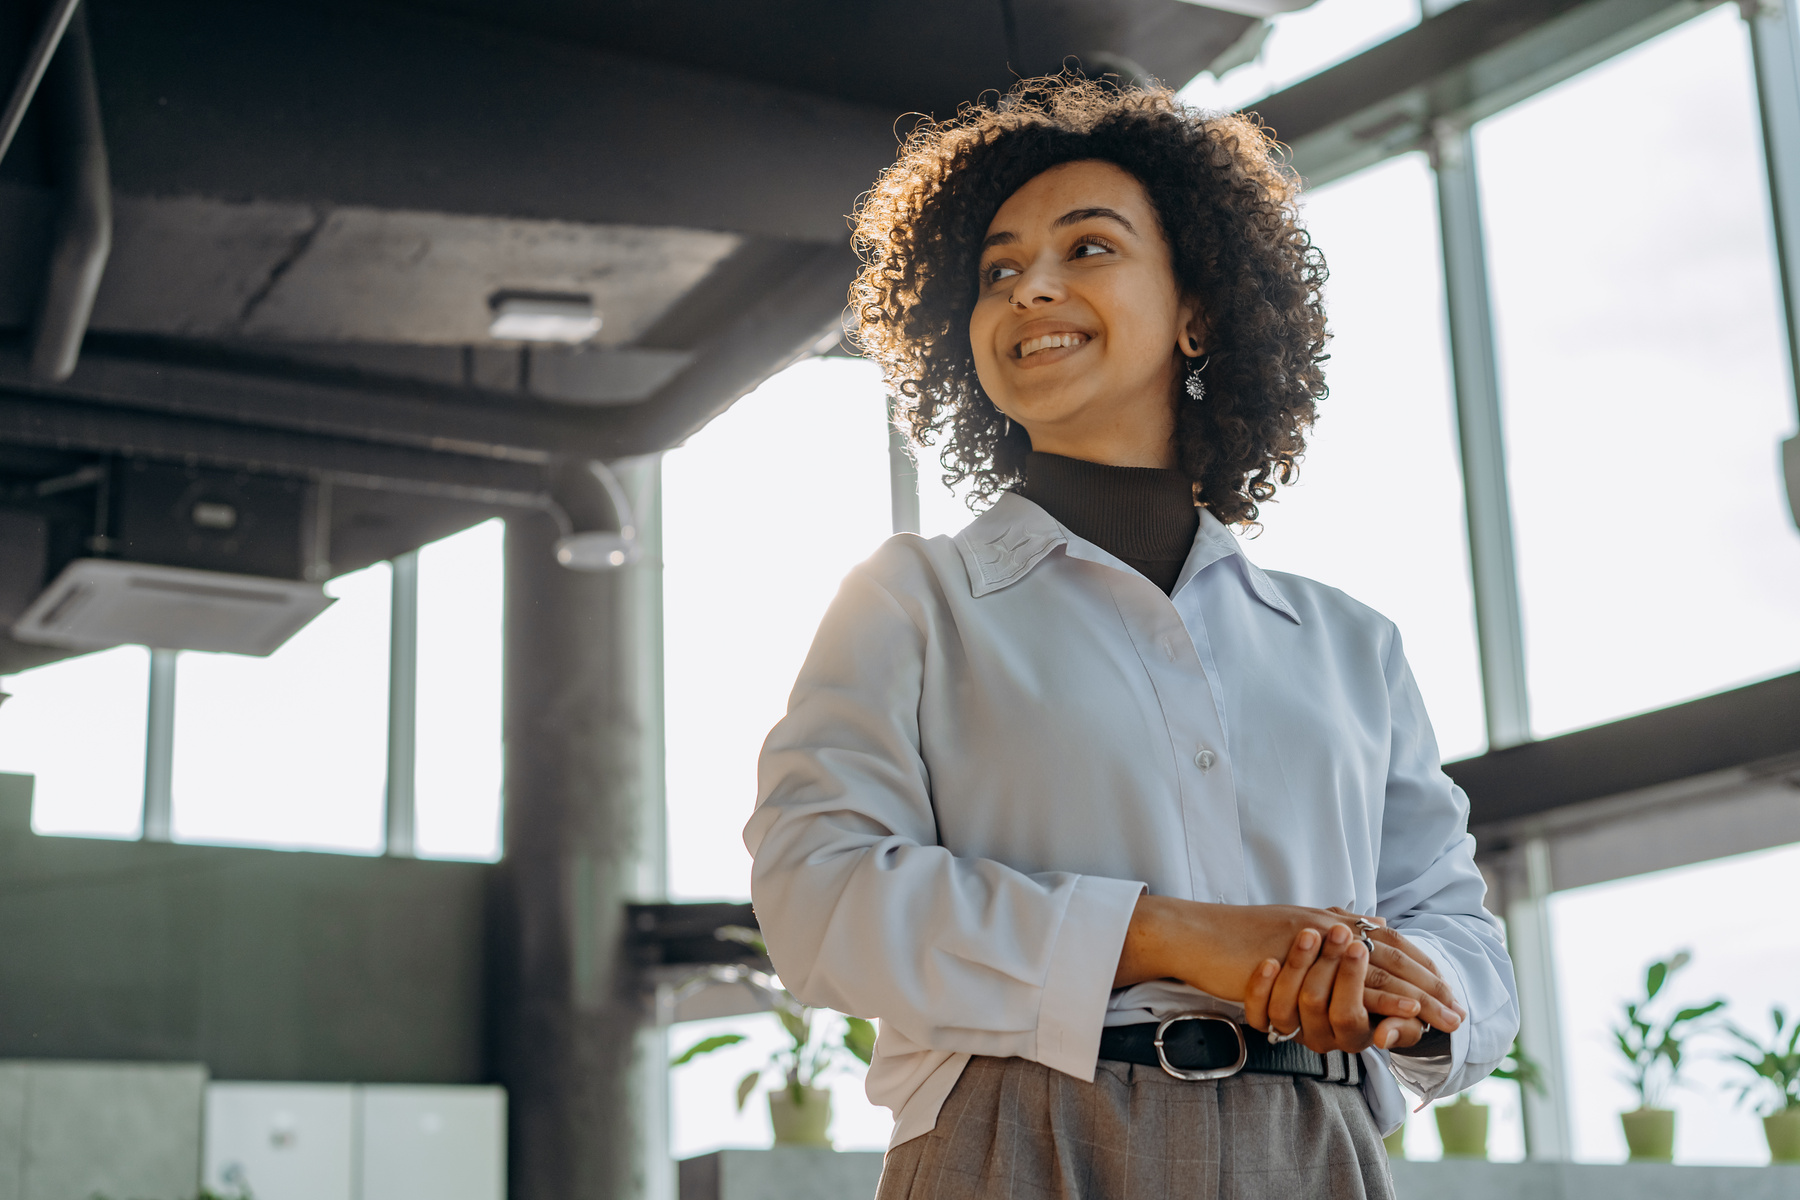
x,y
1090,248
997,272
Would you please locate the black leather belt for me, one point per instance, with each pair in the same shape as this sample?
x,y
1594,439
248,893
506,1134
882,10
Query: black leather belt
x,y
1191,1046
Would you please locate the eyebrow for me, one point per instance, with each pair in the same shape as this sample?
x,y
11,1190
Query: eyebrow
x,y
1074,216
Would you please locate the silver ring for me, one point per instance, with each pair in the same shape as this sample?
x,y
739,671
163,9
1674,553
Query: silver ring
x,y
1370,945
1366,925
1276,1039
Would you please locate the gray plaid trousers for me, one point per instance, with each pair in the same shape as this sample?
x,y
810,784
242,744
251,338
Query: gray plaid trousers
x,y
1013,1129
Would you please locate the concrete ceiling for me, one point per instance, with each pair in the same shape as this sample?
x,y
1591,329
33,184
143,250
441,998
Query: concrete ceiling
x,y
312,204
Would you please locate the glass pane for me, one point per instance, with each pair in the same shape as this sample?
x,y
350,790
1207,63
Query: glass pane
x,y
1605,936
290,750
1378,510
462,583
1645,381
78,725
1301,44
764,512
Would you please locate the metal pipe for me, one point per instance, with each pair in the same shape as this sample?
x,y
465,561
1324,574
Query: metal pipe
x,y
50,35
403,706
84,225
159,749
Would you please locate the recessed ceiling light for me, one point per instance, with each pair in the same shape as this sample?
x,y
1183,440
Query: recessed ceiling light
x,y
566,317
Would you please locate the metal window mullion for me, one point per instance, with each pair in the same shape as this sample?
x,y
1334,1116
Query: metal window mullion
x,y
403,706
1775,49
1548,1136
903,478
1498,625
159,749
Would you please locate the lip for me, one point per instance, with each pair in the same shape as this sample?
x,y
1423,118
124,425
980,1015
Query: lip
x,y
1044,358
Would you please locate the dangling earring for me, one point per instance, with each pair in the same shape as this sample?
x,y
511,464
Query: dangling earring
x,y
1196,386
1006,427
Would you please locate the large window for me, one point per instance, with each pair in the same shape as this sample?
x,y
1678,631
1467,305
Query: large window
x,y
764,512
1645,387
78,726
291,749
457,776
1732,915
1378,508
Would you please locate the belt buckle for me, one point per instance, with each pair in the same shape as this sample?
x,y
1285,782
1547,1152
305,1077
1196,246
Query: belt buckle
x,y
1162,1056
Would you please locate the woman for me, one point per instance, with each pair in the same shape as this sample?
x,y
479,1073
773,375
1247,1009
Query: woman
x,y
1071,800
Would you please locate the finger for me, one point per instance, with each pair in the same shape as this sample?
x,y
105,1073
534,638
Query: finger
x,y
1284,999
1256,996
1393,970
1397,1033
1433,981
1315,992
1349,1019
1385,1003
1356,916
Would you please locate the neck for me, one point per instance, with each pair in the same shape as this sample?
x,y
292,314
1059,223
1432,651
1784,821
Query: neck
x,y
1115,435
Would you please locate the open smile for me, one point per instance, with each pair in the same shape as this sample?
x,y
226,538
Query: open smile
x,y
1044,348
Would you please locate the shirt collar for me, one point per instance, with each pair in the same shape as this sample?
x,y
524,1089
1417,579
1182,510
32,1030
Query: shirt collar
x,y
1003,544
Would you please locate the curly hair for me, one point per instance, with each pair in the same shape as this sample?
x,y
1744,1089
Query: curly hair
x,y
1228,208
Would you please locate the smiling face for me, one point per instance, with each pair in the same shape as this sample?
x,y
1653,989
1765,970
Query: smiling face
x,y
1079,330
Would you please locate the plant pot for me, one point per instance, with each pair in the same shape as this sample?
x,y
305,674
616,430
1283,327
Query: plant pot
x,y
803,1123
1650,1134
1783,1131
1396,1143
1463,1129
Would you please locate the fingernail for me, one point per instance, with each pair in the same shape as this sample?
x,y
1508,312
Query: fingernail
x,y
1411,1007
1308,939
1266,970
1355,952
1339,935
1389,1038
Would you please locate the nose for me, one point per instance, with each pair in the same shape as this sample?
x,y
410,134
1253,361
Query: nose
x,y
1040,283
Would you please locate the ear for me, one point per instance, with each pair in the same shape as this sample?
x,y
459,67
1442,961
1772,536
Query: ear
x,y
1193,334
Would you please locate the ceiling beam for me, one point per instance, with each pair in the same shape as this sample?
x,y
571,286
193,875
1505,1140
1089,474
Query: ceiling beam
x,y
1460,66
1734,729
786,327
59,424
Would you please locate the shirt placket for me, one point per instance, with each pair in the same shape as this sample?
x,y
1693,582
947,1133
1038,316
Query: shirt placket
x,y
1178,658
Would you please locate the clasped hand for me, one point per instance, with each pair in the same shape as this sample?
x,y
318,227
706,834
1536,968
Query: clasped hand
x,y
1293,968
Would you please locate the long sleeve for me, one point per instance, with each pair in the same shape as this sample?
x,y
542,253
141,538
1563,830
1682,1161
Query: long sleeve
x,y
1430,888
865,912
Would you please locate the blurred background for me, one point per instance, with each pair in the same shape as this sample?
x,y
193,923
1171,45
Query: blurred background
x,y
427,446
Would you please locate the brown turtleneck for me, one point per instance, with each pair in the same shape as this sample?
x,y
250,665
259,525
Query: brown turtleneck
x,y
1143,515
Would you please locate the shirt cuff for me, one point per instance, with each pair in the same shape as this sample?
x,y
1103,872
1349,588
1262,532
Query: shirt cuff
x,y
1082,966
1428,1077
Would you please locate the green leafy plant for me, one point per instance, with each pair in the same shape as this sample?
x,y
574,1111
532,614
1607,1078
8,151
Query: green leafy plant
x,y
814,1048
1652,1048
1775,1067
1521,1069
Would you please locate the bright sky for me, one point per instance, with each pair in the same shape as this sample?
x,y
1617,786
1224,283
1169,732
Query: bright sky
x,y
1644,393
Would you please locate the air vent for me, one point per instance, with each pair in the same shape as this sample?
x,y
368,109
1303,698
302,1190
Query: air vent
x,y
98,602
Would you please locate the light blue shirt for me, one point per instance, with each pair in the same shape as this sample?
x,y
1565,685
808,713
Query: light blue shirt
x,y
999,740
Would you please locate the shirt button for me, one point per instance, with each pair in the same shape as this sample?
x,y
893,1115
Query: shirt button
x,y
1205,759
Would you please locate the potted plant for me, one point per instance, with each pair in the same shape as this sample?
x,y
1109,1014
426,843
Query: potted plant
x,y
1463,1124
1775,1068
799,1109
1652,1051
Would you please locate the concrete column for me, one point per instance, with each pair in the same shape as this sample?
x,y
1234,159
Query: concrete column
x,y
583,836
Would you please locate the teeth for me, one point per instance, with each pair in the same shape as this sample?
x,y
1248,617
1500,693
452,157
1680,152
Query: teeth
x,y
1050,341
